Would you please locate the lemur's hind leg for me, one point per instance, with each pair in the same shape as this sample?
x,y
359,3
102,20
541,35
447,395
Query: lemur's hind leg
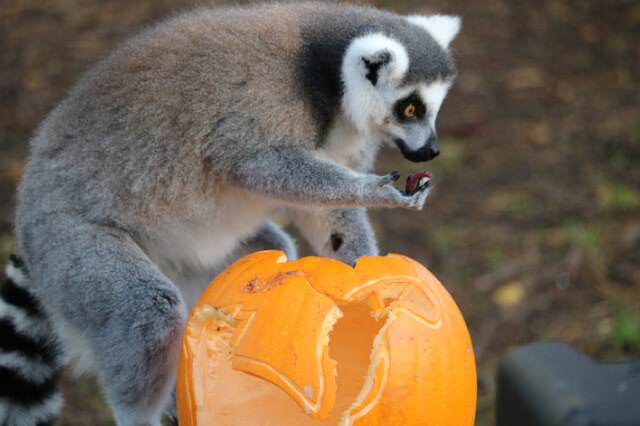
x,y
106,290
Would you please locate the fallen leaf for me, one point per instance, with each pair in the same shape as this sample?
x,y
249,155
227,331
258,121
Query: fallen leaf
x,y
508,295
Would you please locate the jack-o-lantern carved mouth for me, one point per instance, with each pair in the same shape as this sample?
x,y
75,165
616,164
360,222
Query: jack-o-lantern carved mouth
x,y
325,343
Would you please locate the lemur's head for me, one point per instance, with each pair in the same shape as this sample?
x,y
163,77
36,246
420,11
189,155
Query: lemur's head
x,y
394,83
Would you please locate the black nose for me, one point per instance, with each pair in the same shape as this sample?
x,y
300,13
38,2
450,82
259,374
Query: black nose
x,y
433,152
432,147
429,150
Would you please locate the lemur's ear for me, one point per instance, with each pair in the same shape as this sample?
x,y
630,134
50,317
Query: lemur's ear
x,y
374,62
443,28
376,58
370,64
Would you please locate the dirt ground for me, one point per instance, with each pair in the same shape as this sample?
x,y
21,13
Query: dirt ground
x,y
534,222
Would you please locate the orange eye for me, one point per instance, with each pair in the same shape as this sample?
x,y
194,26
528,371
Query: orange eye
x,y
409,111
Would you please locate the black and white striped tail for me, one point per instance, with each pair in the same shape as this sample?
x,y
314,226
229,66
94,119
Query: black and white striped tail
x,y
30,358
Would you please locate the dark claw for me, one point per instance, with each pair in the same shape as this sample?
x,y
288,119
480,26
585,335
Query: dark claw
x,y
395,175
424,186
336,241
418,189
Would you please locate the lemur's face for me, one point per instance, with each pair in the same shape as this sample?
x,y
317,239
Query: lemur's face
x,y
393,100
410,121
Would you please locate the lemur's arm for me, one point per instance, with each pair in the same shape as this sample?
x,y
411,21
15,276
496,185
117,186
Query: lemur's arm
x,y
296,175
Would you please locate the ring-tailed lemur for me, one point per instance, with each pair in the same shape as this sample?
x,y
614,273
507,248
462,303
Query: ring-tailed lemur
x,y
164,163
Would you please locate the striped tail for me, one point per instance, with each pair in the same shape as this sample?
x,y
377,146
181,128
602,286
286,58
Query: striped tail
x,y
30,357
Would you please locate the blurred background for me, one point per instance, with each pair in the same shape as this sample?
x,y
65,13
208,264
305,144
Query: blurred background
x,y
534,222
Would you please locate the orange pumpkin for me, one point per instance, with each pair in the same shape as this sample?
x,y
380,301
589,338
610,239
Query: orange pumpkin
x,y
315,341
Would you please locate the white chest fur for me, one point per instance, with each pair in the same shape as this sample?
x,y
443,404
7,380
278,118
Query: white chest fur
x,y
205,241
347,146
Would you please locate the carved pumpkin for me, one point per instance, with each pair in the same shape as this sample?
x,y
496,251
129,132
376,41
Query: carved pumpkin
x,y
315,341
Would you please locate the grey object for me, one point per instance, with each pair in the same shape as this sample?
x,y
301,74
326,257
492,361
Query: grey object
x,y
552,384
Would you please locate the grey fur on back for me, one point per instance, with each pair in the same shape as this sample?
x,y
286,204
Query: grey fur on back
x,y
131,136
165,161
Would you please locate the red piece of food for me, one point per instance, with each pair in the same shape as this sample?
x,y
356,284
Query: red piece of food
x,y
413,180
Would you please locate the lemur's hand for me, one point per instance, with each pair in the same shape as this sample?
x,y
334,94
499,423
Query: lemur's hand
x,y
381,192
417,189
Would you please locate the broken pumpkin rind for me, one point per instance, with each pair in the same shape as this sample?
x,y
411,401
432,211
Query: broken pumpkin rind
x,y
279,315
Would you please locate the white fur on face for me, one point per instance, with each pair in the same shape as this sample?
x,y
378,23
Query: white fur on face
x,y
443,28
362,101
433,94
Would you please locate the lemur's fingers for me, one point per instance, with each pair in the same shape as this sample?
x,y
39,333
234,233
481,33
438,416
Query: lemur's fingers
x,y
379,188
383,193
419,196
387,179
